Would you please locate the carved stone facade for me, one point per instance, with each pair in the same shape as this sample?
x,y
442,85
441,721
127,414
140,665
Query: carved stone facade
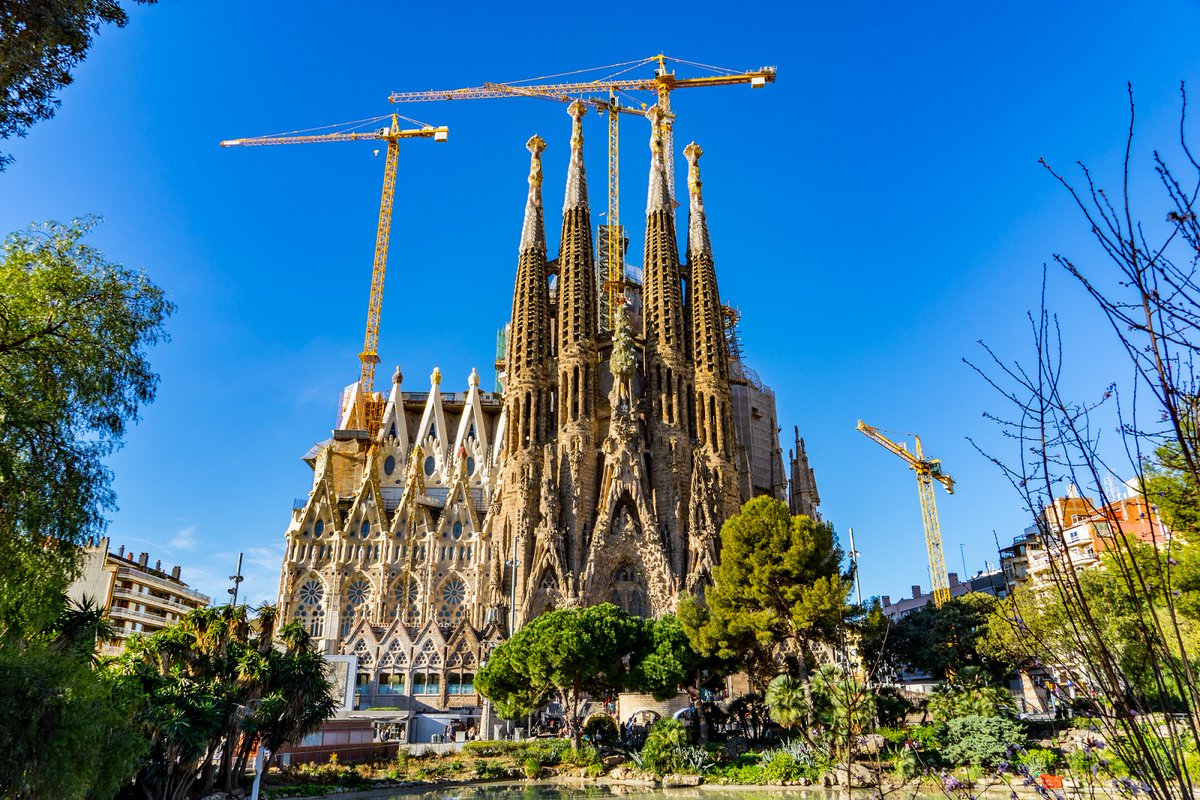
x,y
602,473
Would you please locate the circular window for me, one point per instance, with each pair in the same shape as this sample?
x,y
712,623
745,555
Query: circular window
x,y
430,466
457,530
365,530
311,593
454,592
319,528
389,465
470,465
357,592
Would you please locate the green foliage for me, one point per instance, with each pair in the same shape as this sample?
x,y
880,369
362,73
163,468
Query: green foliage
x,y
215,682
892,707
967,695
40,45
660,753
1032,623
1168,484
74,332
842,704
944,640
64,727
782,767
670,661
573,651
1040,759
791,762
486,770
982,741
532,767
778,581
787,701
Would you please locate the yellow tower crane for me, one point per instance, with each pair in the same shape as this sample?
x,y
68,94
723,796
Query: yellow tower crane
x,y
928,470
604,94
368,409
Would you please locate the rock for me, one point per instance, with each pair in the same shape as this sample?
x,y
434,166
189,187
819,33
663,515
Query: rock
x,y
856,775
612,761
677,781
871,744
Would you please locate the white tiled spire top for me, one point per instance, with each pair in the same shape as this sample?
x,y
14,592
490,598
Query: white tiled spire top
x,y
576,196
533,233
659,195
698,241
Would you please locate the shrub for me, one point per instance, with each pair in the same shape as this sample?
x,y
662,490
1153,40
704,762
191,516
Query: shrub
x,y
782,767
981,740
908,764
486,770
585,756
660,753
532,767
1039,759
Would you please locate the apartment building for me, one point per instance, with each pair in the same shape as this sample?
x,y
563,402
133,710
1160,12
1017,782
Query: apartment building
x,y
1087,530
139,598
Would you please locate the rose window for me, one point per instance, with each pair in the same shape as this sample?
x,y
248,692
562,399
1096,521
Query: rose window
x,y
311,593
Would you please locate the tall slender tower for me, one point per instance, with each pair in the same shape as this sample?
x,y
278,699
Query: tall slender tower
x,y
578,364
528,397
803,497
714,491
668,367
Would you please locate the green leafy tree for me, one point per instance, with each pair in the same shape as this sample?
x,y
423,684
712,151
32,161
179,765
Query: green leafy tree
x,y
1168,485
65,730
944,640
574,652
1032,625
212,687
777,585
671,664
41,43
75,329
843,705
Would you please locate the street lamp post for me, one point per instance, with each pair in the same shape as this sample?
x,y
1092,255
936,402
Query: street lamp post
x,y
237,581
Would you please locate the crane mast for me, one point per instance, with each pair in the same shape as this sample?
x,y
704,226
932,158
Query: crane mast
x,y
928,471
369,410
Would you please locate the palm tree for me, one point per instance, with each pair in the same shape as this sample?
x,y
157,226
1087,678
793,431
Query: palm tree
x,y
787,701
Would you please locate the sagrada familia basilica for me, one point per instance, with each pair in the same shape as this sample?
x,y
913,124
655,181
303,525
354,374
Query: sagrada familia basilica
x,y
602,470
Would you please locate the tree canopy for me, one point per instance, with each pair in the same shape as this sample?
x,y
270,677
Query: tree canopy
x,y
75,330
778,583
41,43
943,640
573,651
212,687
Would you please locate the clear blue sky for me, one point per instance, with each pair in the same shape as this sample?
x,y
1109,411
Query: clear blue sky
x,y
874,213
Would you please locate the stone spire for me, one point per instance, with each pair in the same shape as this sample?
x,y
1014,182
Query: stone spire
x,y
803,497
668,368
529,335
714,404
576,281
666,336
578,364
